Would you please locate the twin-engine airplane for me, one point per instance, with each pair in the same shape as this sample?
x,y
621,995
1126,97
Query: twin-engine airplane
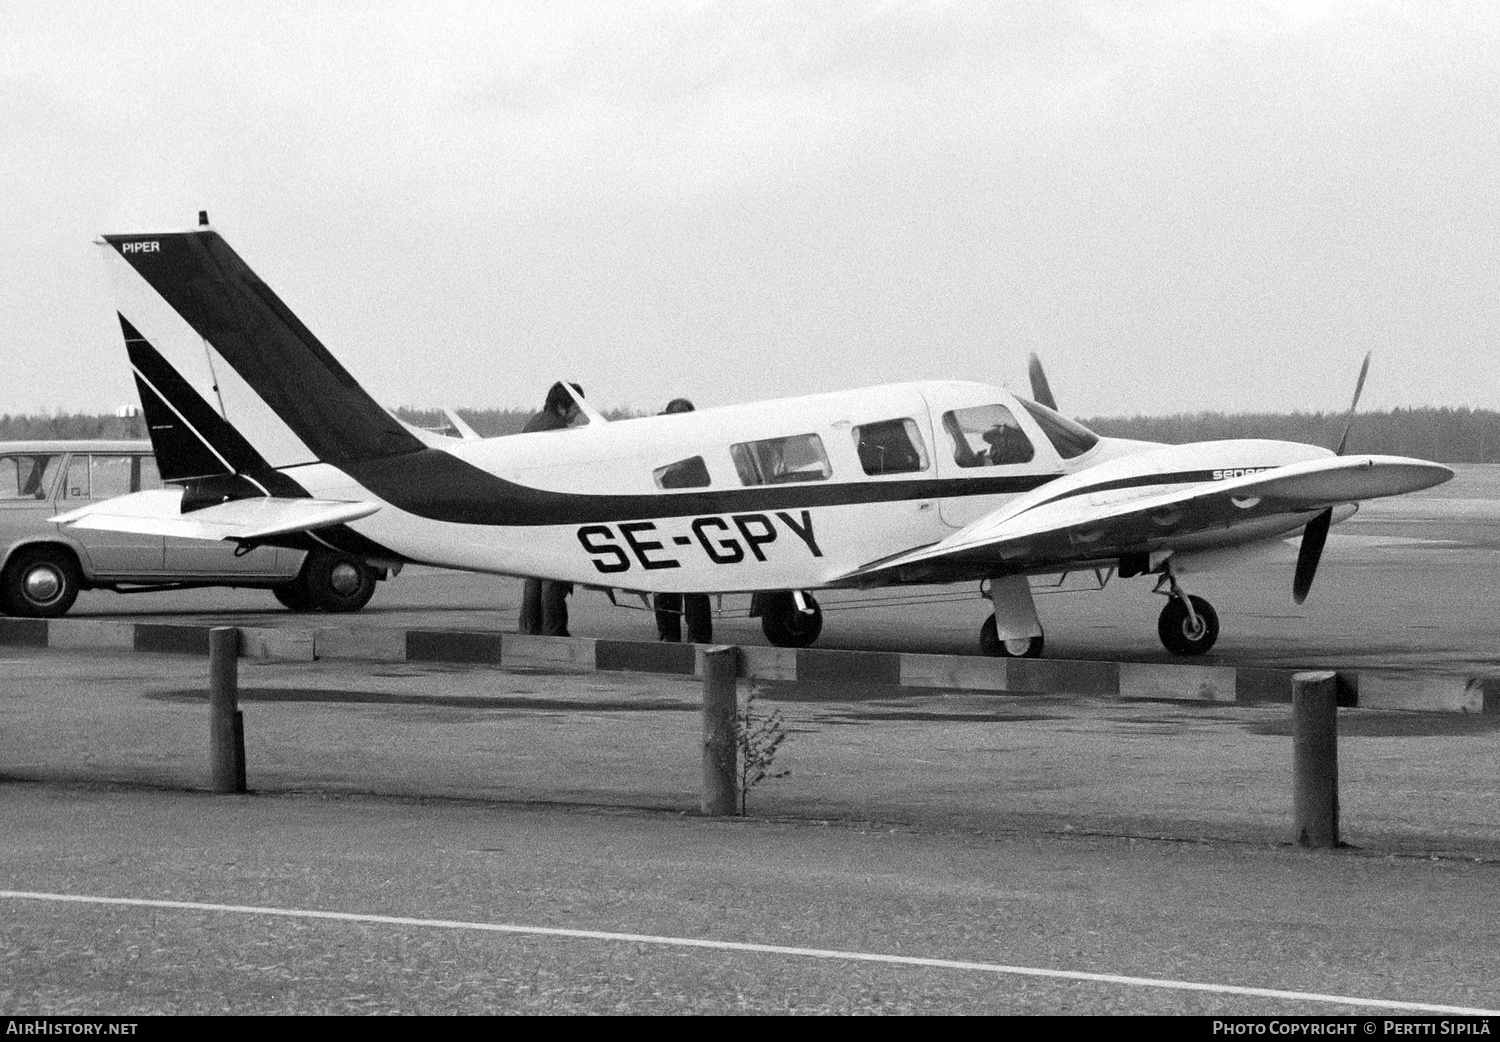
x,y
273,442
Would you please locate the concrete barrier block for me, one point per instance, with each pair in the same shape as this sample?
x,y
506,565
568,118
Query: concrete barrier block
x,y
30,633
1263,685
290,644
761,663
522,649
368,644
177,640
454,646
1450,694
98,634
639,656
958,672
848,667
1166,680
1043,676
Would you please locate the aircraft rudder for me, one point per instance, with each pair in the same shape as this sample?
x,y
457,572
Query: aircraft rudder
x,y
273,379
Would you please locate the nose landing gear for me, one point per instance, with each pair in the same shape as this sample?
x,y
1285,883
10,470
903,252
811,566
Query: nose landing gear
x,y
1187,625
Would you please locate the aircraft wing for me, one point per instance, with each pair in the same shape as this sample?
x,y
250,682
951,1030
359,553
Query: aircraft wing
x,y
159,512
1083,522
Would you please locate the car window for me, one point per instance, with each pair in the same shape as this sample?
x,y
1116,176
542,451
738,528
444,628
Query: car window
x,y
890,447
777,461
110,476
987,436
1069,437
687,473
76,478
27,476
145,476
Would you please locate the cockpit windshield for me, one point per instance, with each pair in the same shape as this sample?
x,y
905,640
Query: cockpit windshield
x,y
1070,438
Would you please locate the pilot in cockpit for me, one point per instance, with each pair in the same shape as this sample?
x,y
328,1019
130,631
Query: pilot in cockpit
x,y
1007,444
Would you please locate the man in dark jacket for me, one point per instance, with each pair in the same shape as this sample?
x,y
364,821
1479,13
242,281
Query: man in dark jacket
x,y
544,603
672,608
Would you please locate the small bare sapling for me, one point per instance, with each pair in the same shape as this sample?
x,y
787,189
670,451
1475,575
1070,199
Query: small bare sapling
x,y
759,736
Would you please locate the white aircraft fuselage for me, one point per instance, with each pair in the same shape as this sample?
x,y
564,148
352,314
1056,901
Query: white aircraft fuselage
x,y
619,529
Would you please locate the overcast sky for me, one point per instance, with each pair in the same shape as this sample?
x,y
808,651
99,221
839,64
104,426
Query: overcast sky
x,y
1178,205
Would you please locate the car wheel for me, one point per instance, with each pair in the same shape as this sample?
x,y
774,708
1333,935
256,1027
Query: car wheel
x,y
785,626
335,583
291,597
40,582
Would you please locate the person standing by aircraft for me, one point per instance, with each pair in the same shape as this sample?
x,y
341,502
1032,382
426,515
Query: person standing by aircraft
x,y
544,603
672,608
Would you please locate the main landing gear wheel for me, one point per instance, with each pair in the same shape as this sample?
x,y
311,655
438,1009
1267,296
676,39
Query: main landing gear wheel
x,y
40,582
1180,633
991,644
785,626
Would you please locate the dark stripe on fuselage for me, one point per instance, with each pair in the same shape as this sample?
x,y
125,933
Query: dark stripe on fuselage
x,y
217,294
341,538
441,487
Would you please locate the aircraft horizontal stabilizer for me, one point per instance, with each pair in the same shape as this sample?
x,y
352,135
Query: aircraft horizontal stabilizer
x,y
159,512
1097,520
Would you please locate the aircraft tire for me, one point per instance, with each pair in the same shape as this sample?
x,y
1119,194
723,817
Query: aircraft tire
x,y
334,583
785,626
39,582
991,644
1176,629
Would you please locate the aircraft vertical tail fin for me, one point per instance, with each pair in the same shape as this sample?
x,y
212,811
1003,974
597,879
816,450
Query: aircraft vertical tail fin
x,y
230,379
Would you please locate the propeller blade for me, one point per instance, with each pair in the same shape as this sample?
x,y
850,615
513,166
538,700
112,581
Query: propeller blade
x,y
1313,538
1041,392
1359,386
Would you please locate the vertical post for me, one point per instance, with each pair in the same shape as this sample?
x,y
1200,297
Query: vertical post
x,y
226,728
721,705
1315,759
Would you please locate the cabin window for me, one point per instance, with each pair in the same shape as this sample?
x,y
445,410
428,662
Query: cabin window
x,y
778,461
987,436
27,476
687,473
890,447
1069,437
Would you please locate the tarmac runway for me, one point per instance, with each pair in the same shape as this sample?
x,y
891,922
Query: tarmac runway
x,y
425,839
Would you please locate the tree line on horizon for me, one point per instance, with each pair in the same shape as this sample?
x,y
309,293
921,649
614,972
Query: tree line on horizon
x,y
1445,435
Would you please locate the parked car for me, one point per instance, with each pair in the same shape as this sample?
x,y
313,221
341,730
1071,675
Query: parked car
x,y
44,565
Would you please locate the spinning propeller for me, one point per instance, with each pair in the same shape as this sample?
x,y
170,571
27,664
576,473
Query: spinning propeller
x,y
1316,532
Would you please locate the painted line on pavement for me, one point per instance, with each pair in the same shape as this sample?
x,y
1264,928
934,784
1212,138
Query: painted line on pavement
x,y
763,949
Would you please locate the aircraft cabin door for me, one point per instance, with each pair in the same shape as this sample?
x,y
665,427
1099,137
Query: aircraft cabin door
x,y
985,455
